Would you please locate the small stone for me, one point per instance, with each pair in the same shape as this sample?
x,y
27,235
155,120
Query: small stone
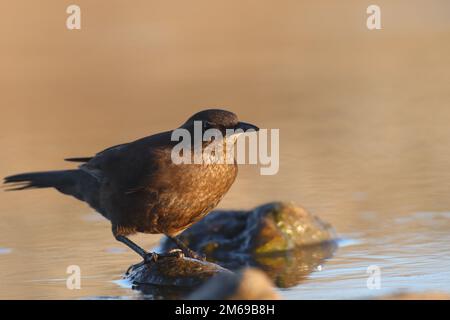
x,y
246,284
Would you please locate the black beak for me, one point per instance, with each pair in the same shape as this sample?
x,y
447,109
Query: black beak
x,y
246,126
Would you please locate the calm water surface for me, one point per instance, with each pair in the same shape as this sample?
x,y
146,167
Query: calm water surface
x,y
363,118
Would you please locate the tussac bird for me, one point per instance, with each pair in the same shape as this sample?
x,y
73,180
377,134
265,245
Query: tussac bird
x,y
139,188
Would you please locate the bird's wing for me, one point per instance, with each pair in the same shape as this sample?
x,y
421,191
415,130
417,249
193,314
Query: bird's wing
x,y
131,166
87,159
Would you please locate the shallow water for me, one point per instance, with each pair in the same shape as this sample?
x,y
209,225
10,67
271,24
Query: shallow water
x,y
363,118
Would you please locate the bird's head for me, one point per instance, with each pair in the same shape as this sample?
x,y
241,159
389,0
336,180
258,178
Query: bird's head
x,y
218,119
211,132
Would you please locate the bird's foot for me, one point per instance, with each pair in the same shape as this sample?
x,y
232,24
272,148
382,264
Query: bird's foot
x,y
134,266
152,257
185,249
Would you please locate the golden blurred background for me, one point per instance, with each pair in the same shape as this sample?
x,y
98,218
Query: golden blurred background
x,y
363,115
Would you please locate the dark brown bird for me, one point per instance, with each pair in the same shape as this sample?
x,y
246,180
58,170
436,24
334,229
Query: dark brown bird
x,y
139,188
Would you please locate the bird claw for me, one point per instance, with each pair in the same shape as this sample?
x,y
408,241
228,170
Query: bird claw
x,y
148,258
134,266
154,257
151,257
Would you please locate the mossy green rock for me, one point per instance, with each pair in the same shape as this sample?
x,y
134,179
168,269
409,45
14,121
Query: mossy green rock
x,y
270,228
281,239
284,226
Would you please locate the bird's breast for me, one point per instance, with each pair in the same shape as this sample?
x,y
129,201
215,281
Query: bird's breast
x,y
189,192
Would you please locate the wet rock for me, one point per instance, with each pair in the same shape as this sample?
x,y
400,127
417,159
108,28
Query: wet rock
x,y
270,228
282,239
247,284
172,277
174,271
290,268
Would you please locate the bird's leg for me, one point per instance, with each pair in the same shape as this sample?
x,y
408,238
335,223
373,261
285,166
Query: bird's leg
x,y
185,249
147,256
133,246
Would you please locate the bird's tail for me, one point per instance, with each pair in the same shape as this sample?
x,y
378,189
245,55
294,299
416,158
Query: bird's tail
x,y
45,179
65,181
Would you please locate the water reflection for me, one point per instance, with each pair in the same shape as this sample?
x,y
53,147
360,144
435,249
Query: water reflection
x,y
290,269
285,269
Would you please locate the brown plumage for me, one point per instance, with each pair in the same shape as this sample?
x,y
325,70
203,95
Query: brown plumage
x,y
139,189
